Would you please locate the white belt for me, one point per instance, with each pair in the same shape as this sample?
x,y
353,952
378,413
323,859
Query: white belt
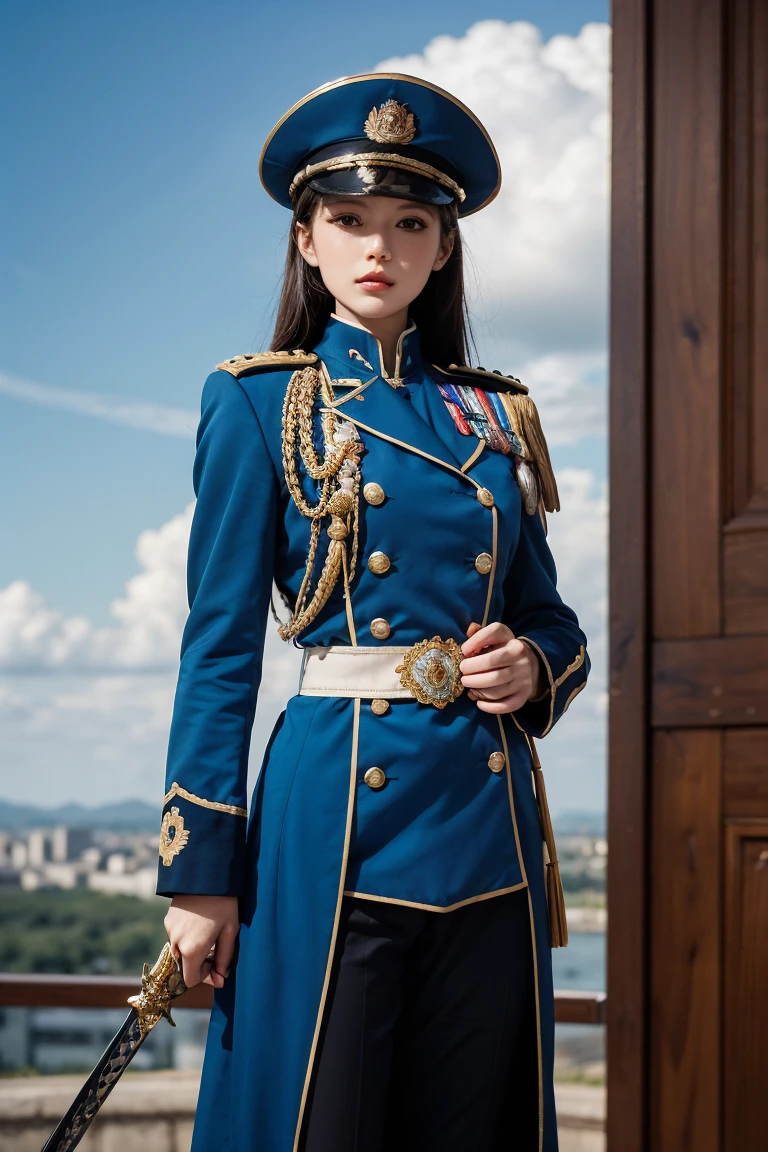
x,y
429,671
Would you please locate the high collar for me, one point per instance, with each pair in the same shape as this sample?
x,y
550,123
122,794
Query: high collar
x,y
345,346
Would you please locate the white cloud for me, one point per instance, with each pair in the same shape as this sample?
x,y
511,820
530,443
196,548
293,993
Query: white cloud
x,y
143,417
539,252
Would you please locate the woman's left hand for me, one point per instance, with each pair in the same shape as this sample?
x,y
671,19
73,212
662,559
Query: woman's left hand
x,y
499,671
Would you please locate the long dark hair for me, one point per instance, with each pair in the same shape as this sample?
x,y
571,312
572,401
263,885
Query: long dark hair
x,y
439,311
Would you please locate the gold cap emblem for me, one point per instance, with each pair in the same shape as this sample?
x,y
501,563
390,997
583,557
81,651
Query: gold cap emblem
x,y
391,124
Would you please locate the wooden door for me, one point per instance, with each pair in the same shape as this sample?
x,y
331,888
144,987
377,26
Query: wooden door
x,y
688,721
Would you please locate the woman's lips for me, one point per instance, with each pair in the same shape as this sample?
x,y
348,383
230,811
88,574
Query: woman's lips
x,y
374,285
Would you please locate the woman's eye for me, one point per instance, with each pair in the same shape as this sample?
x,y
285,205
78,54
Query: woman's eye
x,y
344,218
409,220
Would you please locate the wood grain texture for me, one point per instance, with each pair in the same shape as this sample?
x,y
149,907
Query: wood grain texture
x,y
714,682
628,567
685,953
746,1004
686,307
745,772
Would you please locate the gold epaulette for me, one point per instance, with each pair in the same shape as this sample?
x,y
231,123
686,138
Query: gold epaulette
x,y
497,381
252,361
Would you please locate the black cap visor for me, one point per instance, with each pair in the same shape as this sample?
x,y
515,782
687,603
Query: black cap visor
x,y
380,180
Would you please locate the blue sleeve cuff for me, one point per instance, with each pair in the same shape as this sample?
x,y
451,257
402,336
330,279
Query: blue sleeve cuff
x,y
202,847
566,674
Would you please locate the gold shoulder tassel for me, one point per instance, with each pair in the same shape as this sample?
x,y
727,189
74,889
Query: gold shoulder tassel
x,y
524,419
558,926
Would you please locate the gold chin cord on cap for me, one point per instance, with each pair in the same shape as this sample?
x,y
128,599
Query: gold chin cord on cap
x,y
339,472
391,159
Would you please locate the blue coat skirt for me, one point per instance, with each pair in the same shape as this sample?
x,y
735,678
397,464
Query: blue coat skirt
x,y
446,829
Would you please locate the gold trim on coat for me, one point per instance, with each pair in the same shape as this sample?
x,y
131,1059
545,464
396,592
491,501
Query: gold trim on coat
x,y
437,907
492,573
337,915
177,790
552,685
410,448
533,927
574,693
468,463
398,347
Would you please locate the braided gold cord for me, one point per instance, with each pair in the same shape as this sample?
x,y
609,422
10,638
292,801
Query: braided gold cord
x,y
334,500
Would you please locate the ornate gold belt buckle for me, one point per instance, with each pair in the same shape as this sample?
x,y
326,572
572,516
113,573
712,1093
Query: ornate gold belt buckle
x,y
430,669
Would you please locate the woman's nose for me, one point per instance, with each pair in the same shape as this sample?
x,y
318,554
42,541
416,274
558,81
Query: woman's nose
x,y
377,246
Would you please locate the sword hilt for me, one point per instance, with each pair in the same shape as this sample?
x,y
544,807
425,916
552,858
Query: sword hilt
x,y
160,984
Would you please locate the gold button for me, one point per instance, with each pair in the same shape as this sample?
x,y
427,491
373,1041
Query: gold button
x,y
496,761
484,563
379,706
485,496
375,777
378,562
373,492
380,628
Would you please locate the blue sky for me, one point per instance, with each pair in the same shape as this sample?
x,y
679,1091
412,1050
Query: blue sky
x,y
139,247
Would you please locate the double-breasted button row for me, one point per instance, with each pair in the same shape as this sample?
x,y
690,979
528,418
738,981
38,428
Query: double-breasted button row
x,y
375,777
380,628
379,707
496,761
484,563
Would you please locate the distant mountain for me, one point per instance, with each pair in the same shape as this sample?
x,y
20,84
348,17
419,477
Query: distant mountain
x,y
123,816
579,824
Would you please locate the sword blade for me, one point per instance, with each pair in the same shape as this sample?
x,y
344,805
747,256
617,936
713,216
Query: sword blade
x,y
121,1050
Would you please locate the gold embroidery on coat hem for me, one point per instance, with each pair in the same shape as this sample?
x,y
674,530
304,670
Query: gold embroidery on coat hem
x,y
171,845
177,790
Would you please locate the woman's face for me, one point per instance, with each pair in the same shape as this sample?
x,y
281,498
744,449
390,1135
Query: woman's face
x,y
352,237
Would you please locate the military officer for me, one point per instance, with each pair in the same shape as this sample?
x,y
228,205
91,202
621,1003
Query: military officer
x,y
378,925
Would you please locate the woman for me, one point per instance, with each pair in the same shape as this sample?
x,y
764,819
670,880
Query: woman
x,y
378,931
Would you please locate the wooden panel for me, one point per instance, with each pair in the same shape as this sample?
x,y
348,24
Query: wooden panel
x,y
746,1004
685,942
745,553
710,682
687,332
745,776
628,567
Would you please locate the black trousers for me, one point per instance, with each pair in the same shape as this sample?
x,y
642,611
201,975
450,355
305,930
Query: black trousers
x,y
429,1033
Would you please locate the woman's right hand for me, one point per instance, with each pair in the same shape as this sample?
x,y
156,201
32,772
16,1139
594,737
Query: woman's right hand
x,y
198,926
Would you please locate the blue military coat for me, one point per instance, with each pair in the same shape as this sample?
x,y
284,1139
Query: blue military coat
x,y
449,827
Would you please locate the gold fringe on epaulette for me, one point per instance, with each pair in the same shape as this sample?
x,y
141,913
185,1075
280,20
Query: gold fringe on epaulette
x,y
558,926
524,418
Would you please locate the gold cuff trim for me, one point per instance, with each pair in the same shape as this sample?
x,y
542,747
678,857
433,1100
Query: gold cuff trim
x,y
177,790
577,663
352,159
574,693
